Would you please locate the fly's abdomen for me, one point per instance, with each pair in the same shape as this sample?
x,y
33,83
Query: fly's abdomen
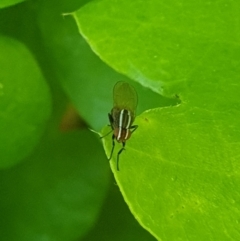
x,y
122,121
122,134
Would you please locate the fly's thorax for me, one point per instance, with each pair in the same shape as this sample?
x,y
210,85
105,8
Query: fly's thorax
x,y
122,118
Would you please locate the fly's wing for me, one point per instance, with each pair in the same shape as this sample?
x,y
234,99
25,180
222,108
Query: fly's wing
x,y
125,96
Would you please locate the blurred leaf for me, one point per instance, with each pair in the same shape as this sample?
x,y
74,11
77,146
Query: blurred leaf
x,y
182,162
24,102
62,6
57,193
7,3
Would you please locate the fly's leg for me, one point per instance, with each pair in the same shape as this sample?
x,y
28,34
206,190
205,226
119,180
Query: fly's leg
x,y
106,134
133,128
111,123
113,145
123,145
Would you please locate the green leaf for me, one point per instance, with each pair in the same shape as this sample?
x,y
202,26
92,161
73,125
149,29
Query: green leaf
x,y
25,102
115,214
7,3
56,194
179,173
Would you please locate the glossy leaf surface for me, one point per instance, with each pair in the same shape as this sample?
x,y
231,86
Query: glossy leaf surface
x,y
182,162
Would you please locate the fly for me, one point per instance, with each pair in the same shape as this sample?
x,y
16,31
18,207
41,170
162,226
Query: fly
x,y
122,115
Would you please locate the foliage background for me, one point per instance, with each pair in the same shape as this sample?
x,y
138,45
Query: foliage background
x,y
54,186
179,175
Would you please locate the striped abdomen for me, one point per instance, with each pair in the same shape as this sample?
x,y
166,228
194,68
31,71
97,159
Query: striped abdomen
x,y
121,123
